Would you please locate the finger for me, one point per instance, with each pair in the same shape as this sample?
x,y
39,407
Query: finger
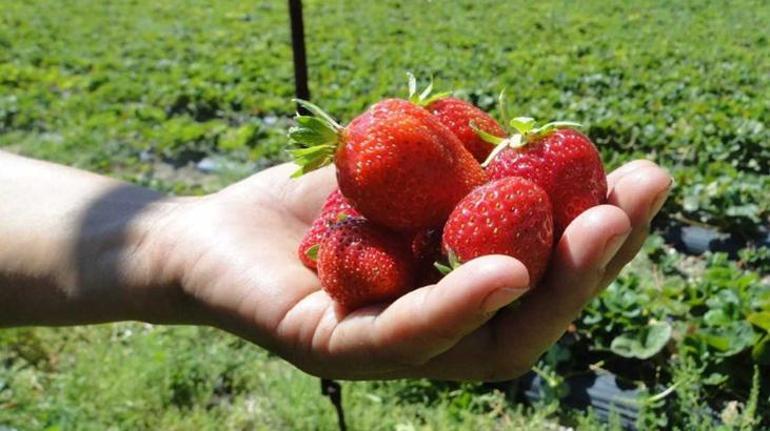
x,y
617,174
577,267
432,319
510,343
640,194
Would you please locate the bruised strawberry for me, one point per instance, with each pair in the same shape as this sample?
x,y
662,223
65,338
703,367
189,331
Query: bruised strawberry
x,y
458,115
361,264
426,250
558,158
335,207
426,245
509,216
396,163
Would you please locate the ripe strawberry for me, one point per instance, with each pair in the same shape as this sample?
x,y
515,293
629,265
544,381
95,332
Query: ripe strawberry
x,y
396,163
457,115
360,264
508,216
336,206
563,161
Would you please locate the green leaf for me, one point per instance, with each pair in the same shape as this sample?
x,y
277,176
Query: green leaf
x,y
714,379
716,318
425,93
719,342
437,96
454,261
559,125
312,252
484,135
412,85
731,339
424,98
760,319
238,138
761,351
318,112
523,124
503,108
316,137
443,269
642,344
307,152
311,131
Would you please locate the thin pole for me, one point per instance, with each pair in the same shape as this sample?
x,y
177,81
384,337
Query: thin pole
x,y
330,388
301,90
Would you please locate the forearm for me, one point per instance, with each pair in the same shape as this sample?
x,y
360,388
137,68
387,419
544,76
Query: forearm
x,y
73,247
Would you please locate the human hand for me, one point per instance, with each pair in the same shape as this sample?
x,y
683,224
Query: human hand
x,y
233,254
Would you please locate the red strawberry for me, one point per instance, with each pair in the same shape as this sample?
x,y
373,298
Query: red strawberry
x,y
563,161
360,264
396,163
336,206
508,216
457,115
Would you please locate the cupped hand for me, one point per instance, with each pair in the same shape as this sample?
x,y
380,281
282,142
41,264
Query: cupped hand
x,y
234,254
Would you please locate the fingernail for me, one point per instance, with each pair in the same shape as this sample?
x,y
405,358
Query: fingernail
x,y
500,298
657,204
612,247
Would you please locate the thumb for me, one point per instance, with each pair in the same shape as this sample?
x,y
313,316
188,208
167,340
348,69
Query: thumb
x,y
430,320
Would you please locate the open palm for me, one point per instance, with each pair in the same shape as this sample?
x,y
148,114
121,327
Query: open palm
x,y
234,253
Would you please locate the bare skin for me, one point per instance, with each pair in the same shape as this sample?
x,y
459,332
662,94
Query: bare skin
x,y
78,248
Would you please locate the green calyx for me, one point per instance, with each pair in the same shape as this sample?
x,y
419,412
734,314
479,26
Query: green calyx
x,y
312,252
525,130
315,138
454,263
424,98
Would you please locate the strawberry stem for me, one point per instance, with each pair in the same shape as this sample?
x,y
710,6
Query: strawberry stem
x,y
443,269
424,98
515,141
484,135
316,138
454,263
545,128
318,112
525,131
523,125
501,106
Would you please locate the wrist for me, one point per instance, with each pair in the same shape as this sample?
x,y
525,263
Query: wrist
x,y
149,269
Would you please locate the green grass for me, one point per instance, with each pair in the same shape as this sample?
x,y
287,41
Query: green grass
x,y
133,376
96,84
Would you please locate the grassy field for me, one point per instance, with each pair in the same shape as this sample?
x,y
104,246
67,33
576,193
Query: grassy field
x,y
145,90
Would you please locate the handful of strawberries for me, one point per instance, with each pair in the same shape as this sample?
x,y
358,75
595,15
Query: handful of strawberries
x,y
428,183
